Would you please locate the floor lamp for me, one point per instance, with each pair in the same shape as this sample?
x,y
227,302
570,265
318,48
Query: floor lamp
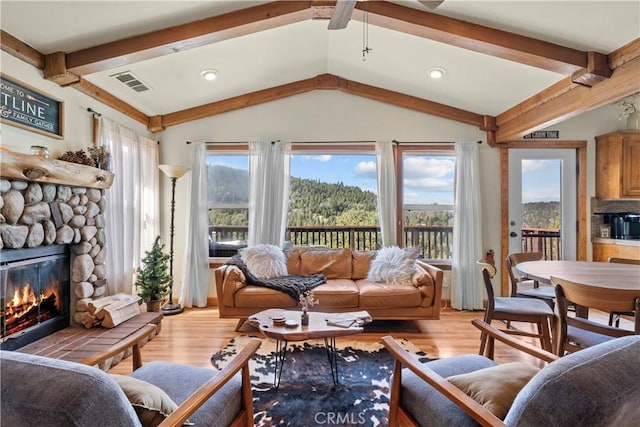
x,y
173,172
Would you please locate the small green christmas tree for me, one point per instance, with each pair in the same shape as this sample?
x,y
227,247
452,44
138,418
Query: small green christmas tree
x,y
153,281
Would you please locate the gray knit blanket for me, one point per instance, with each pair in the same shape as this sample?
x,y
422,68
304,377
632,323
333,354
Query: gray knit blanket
x,y
293,285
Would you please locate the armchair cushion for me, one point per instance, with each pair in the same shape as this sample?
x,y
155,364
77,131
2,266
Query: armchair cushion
x,y
151,403
497,386
219,410
427,405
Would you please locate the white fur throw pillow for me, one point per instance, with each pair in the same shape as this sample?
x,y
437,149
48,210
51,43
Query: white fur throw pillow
x,y
264,261
393,265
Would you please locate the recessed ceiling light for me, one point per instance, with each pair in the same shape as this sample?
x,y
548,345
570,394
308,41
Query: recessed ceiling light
x,y
209,74
436,72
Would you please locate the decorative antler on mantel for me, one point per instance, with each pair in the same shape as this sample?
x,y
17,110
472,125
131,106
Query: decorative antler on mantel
x,y
37,169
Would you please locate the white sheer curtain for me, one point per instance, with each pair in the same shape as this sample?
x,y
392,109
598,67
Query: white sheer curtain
x,y
131,212
195,277
269,168
466,282
386,192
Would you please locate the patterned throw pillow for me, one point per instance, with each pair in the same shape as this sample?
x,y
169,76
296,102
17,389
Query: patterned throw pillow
x,y
393,265
265,261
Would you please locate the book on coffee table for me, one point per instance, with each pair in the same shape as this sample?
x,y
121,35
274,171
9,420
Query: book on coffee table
x,y
347,320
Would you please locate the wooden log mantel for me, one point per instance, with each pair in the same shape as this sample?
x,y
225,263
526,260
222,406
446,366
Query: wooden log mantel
x,y
37,169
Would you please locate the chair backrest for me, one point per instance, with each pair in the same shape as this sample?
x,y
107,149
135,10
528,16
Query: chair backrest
x,y
624,261
39,391
488,271
513,260
598,386
604,299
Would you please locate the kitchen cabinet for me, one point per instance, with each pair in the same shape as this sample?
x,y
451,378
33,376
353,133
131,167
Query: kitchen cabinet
x,y
603,249
617,160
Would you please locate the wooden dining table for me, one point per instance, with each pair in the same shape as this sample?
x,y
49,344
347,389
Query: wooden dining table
x,y
600,274
604,275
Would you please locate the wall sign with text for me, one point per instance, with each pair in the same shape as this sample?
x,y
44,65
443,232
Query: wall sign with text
x,y
29,108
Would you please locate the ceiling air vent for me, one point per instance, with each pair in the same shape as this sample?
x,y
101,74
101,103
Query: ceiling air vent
x,y
132,81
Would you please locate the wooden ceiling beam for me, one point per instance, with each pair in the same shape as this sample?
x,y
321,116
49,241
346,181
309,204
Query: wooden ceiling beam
x,y
238,102
321,82
108,99
21,50
188,36
479,38
567,102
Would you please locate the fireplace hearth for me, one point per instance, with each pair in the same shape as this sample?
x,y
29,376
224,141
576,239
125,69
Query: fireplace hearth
x,y
34,294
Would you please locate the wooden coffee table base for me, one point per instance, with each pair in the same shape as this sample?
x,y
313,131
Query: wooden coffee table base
x,y
317,328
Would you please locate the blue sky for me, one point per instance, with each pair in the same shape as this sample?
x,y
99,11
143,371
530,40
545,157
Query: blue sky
x,y
427,179
541,180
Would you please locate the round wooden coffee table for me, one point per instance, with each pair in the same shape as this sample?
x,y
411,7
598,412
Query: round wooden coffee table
x,y
326,326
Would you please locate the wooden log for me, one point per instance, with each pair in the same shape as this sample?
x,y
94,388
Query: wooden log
x,y
118,301
114,316
98,303
33,168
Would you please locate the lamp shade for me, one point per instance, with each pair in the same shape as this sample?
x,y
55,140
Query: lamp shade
x,y
173,171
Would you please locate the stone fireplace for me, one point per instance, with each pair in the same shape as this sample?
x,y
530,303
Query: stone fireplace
x,y
46,203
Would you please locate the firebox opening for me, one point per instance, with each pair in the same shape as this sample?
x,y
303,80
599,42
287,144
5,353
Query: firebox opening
x,y
34,294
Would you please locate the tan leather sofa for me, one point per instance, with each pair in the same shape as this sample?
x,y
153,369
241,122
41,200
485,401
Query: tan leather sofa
x,y
347,288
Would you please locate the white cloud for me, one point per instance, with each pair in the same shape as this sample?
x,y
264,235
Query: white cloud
x,y
428,167
365,169
529,165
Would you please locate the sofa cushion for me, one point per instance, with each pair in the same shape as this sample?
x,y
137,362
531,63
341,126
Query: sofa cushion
x,y
264,261
333,263
387,295
342,293
360,263
151,403
495,387
393,265
259,297
293,260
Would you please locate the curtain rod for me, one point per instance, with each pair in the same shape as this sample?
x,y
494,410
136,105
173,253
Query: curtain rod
x,y
220,142
424,142
94,112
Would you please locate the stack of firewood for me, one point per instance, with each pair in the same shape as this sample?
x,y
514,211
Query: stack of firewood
x,y
111,311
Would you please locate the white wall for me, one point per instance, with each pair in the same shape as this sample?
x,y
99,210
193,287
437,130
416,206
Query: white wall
x,y
315,116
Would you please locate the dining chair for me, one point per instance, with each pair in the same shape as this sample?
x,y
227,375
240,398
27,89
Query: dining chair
x,y
614,316
515,309
523,287
574,333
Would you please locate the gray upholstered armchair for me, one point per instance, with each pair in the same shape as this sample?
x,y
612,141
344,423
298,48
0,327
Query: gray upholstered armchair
x,y
39,391
598,386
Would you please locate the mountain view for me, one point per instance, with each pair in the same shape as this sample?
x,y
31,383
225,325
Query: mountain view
x,y
313,203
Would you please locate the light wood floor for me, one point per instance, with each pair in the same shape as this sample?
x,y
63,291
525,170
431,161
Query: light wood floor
x,y
194,335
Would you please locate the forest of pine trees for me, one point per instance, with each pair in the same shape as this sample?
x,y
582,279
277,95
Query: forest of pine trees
x,y
313,203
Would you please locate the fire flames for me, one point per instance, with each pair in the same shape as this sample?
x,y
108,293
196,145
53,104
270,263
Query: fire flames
x,y
25,300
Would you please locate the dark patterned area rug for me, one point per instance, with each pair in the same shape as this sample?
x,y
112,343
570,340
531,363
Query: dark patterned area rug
x,y
306,395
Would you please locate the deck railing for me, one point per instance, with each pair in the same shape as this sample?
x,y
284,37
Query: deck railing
x,y
434,242
542,240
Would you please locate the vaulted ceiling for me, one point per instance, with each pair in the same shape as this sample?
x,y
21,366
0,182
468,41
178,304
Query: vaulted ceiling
x,y
511,66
